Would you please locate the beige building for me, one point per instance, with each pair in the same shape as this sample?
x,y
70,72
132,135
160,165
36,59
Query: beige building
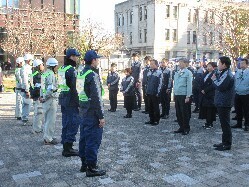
x,y
165,28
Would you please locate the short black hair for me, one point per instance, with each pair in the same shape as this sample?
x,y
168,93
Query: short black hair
x,y
246,60
214,64
148,58
184,60
155,61
113,65
135,55
225,60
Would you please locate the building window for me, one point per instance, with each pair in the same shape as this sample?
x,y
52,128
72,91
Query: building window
x,y
189,15
3,34
174,35
211,38
9,3
119,20
174,55
140,13
194,37
123,20
145,35
167,54
206,17
204,39
195,16
220,38
3,4
77,7
167,34
175,12
188,37
145,13
70,6
130,37
131,16
167,11
140,36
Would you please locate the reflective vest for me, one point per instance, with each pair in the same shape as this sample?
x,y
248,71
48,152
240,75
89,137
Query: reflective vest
x,y
62,78
80,86
43,81
31,78
16,70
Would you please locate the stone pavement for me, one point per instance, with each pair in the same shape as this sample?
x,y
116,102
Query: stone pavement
x,y
133,153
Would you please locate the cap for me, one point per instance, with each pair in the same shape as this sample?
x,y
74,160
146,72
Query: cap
x,y
52,62
37,62
19,60
28,57
90,55
71,52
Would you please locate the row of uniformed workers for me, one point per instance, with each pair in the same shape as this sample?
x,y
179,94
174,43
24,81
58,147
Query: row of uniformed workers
x,y
46,87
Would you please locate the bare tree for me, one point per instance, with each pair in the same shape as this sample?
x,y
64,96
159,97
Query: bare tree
x,y
226,27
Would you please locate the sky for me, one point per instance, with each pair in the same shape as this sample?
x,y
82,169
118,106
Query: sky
x,y
101,11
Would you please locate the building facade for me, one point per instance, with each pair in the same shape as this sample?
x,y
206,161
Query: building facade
x,y
165,28
65,8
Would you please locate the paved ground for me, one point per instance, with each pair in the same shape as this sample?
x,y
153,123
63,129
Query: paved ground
x,y
133,153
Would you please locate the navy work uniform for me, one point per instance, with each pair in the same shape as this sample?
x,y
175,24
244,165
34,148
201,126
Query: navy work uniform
x,y
165,95
153,92
144,87
136,68
91,111
69,102
113,80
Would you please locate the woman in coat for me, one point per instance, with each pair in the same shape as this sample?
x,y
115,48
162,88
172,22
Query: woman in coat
x,y
207,108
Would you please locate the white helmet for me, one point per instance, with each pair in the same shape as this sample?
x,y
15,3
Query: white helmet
x,y
28,57
52,62
37,62
19,60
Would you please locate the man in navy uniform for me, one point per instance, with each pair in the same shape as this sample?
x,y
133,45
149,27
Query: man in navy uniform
x,y
153,92
136,68
146,70
69,102
223,100
92,115
166,88
112,83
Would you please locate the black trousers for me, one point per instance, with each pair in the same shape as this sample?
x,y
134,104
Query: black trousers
x,y
113,99
128,104
153,106
165,102
224,115
183,112
242,108
138,97
145,99
196,95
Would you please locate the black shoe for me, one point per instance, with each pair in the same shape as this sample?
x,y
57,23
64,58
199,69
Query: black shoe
x,y
94,171
196,110
234,111
19,118
111,110
236,126
162,115
145,112
155,123
235,118
128,116
223,148
165,117
185,132
246,128
68,150
175,120
83,168
218,145
137,109
149,122
208,127
178,131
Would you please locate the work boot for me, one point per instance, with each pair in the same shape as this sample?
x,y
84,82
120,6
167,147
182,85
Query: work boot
x,y
68,150
83,165
93,171
238,125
